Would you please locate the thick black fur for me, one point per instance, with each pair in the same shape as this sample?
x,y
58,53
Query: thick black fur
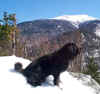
x,y
52,64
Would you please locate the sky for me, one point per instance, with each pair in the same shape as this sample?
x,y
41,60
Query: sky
x,y
27,10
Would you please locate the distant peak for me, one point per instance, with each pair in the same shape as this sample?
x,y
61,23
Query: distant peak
x,y
76,18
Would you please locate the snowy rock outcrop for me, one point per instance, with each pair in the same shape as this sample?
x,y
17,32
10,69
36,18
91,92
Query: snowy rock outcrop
x,y
88,81
15,83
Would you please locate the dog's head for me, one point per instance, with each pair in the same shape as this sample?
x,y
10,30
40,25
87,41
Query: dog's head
x,y
71,50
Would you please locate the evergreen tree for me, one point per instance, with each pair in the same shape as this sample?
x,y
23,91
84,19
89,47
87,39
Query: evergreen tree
x,y
8,29
92,69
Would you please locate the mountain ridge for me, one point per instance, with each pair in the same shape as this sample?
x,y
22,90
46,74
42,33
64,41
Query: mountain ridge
x,y
47,35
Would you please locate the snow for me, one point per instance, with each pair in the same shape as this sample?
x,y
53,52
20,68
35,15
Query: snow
x,y
12,82
97,31
75,19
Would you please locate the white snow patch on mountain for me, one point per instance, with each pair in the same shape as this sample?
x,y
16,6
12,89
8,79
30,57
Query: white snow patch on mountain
x,y
12,82
75,19
97,30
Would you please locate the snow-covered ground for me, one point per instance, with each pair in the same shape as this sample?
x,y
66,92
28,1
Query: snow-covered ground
x,y
14,83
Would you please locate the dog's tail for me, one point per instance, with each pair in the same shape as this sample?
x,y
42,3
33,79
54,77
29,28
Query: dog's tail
x,y
18,67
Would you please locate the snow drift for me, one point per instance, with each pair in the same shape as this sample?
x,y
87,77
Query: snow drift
x,y
14,83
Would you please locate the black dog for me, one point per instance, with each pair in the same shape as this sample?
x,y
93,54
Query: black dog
x,y
52,64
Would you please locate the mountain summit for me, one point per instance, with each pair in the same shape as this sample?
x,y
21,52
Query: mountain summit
x,y
76,19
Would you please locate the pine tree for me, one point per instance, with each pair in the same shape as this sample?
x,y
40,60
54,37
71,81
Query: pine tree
x,y
8,30
12,17
92,69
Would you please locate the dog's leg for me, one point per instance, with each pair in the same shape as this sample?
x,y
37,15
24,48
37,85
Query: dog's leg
x,y
56,79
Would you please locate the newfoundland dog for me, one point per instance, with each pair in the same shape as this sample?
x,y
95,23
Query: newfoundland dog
x,y
52,64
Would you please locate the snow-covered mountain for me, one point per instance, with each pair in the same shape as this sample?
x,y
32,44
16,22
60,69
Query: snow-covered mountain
x,y
12,82
76,19
57,31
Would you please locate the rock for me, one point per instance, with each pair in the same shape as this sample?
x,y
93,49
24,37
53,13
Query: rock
x,y
88,81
